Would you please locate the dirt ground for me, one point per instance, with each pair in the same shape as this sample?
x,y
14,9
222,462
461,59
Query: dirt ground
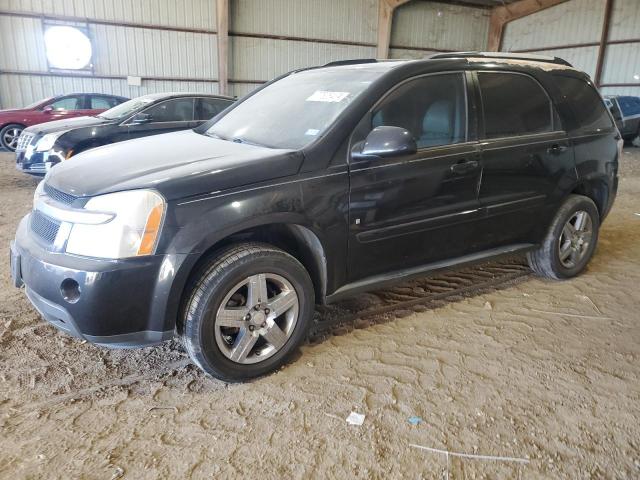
x,y
493,360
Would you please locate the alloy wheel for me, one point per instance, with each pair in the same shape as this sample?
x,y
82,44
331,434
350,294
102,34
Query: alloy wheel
x,y
256,318
10,137
575,239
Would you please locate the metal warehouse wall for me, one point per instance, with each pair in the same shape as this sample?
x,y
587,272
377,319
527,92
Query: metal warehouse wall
x,y
576,26
270,37
171,44
421,28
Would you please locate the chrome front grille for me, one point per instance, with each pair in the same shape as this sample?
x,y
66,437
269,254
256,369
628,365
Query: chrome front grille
x,y
58,196
44,227
24,141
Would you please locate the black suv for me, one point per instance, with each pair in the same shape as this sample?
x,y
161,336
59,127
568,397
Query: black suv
x,y
42,146
323,183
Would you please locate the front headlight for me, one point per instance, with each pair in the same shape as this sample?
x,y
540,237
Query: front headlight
x,y
133,231
47,142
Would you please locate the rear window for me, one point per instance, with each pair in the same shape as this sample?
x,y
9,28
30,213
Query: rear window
x,y
514,104
587,105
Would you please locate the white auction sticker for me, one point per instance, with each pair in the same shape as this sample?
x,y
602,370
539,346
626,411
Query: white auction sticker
x,y
326,96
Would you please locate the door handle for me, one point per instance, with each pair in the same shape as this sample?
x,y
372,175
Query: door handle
x,y
556,149
464,166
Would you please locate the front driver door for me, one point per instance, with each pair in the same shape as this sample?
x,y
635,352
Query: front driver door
x,y
408,211
164,117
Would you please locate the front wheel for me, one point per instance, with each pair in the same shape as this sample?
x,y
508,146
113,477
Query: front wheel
x,y
570,241
249,309
9,136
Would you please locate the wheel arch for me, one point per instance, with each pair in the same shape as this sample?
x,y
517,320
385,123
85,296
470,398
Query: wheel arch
x,y
297,240
597,189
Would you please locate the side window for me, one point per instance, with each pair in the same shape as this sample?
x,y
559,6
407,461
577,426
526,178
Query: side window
x,y
587,105
209,107
432,108
629,105
67,103
175,110
102,103
514,104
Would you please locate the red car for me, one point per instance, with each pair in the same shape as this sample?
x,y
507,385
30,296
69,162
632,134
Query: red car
x,y
13,121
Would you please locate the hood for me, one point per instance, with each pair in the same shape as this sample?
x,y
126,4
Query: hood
x,y
13,110
178,165
67,124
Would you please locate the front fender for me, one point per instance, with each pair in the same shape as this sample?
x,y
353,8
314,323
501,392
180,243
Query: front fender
x,y
317,203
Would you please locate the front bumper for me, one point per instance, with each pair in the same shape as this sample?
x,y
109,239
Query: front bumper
x,y
121,304
33,163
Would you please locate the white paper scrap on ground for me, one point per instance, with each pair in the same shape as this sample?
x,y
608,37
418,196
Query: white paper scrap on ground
x,y
326,96
355,418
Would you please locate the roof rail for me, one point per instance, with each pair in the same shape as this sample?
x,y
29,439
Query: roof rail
x,y
503,55
354,61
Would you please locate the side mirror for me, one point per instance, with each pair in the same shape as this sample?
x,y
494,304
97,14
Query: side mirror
x,y
47,109
389,142
141,119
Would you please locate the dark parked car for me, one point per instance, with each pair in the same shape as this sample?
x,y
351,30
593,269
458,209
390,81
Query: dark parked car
x,y
42,146
626,113
14,121
323,183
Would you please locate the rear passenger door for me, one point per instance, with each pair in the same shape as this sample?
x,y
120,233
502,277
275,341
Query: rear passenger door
x,y
410,210
525,154
163,117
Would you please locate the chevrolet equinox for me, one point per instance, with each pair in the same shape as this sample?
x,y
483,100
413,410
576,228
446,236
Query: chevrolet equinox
x,y
323,183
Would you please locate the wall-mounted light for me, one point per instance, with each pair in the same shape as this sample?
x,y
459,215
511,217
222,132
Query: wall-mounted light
x,y
67,47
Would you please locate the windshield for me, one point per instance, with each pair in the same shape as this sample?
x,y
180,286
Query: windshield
x,y
293,111
35,104
127,108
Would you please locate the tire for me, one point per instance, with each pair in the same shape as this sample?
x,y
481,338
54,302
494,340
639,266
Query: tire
x,y
635,141
550,259
222,331
9,135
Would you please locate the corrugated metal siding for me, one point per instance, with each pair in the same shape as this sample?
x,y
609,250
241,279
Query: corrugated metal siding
x,y
241,89
576,21
408,54
622,64
118,51
196,14
625,20
346,20
155,53
255,58
440,26
580,21
264,59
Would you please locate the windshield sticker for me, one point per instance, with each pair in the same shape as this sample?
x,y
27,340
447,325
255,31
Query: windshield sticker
x,y
325,96
312,131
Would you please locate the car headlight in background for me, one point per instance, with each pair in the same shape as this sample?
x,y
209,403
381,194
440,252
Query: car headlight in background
x,y
133,231
48,141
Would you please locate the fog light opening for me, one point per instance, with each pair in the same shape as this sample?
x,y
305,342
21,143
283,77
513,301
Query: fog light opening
x,y
70,290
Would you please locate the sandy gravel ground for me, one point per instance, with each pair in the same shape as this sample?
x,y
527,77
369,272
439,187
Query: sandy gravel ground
x,y
542,371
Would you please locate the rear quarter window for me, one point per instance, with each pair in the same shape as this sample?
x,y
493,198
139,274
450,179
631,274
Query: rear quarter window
x,y
514,104
587,105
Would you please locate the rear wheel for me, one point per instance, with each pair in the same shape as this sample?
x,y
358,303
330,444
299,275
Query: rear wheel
x,y
9,136
570,241
249,309
635,141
